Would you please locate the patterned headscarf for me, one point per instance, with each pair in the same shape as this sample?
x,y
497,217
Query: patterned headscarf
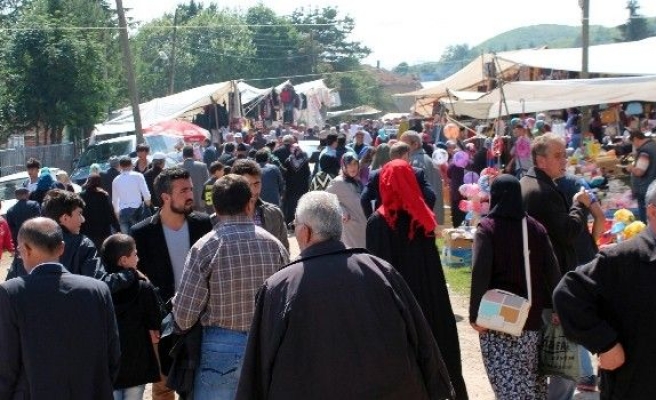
x,y
399,190
347,159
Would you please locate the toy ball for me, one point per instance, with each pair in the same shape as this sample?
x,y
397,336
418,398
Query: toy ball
x,y
471,177
484,183
461,159
623,215
530,122
633,229
617,228
451,131
440,157
465,205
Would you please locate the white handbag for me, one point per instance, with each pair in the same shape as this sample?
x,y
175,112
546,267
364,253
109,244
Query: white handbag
x,y
503,311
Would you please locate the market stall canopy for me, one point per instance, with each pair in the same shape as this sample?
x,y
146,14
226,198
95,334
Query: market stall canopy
x,y
360,111
251,93
170,107
612,59
535,96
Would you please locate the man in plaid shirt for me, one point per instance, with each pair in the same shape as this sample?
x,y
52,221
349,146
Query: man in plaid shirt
x,y
221,276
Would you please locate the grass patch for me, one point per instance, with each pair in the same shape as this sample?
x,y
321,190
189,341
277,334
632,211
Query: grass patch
x,y
459,279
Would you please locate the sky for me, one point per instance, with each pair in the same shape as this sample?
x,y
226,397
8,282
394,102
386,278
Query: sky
x,y
416,31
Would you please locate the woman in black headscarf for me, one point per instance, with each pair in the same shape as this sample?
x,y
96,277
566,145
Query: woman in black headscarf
x,y
498,263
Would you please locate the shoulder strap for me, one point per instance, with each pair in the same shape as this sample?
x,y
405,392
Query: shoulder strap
x,y
527,263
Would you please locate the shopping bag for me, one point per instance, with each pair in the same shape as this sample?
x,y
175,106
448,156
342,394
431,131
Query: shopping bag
x,y
503,311
559,356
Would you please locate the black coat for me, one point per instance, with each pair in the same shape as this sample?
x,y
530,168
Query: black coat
x,y
107,177
371,191
418,262
137,312
612,300
19,213
340,324
155,263
544,202
58,337
81,258
99,216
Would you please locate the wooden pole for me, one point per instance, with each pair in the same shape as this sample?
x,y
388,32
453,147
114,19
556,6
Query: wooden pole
x,y
129,69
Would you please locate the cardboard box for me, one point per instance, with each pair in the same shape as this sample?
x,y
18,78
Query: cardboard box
x,y
457,251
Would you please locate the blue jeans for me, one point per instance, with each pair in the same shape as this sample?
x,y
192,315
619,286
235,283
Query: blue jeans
x,y
126,218
221,358
586,362
131,393
642,207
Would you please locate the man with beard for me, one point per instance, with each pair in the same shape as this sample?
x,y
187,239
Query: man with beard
x,y
163,242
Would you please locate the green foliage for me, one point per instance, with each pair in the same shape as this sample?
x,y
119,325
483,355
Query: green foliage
x,y
54,77
637,26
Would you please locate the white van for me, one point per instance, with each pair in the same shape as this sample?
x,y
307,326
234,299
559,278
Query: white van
x,y
100,152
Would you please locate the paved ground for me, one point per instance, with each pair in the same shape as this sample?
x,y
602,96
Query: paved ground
x,y
474,373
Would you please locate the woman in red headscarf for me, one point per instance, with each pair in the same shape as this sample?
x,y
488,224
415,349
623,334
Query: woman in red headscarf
x,y
401,231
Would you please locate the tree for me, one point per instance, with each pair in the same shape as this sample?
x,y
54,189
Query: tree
x,y
402,69
54,77
637,26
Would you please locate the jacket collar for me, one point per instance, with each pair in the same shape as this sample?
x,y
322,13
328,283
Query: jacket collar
x,y
49,268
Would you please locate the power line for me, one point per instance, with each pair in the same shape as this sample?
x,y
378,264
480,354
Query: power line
x,y
162,27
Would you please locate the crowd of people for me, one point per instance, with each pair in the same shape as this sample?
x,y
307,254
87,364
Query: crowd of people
x,y
181,276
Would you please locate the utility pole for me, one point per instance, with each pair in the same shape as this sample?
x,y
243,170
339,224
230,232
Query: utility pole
x,y
129,69
172,59
585,37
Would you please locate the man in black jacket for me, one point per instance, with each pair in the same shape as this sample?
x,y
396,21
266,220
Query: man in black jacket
x,y
370,192
80,254
347,311
58,336
20,212
163,242
607,306
109,175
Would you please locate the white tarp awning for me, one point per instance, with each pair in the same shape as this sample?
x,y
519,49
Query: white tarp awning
x,y
360,111
613,59
250,93
169,107
534,96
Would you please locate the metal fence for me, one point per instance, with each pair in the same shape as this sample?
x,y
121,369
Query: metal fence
x,y
55,155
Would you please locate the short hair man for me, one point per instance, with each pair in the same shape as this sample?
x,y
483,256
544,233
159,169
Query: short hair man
x,y
419,159
108,176
267,215
156,167
221,276
199,175
643,169
58,333
32,166
544,202
346,308
606,305
209,153
370,196
129,192
217,170
20,212
163,242
273,183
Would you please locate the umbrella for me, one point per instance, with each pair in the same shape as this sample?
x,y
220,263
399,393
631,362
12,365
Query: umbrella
x,y
186,130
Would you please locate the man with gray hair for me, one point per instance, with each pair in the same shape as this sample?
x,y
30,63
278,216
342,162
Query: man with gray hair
x,y
606,305
346,308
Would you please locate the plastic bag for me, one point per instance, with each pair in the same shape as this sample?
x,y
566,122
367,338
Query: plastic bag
x,y
558,355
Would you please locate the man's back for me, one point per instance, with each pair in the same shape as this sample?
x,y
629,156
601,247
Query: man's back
x,y
19,213
107,177
59,335
340,325
273,184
